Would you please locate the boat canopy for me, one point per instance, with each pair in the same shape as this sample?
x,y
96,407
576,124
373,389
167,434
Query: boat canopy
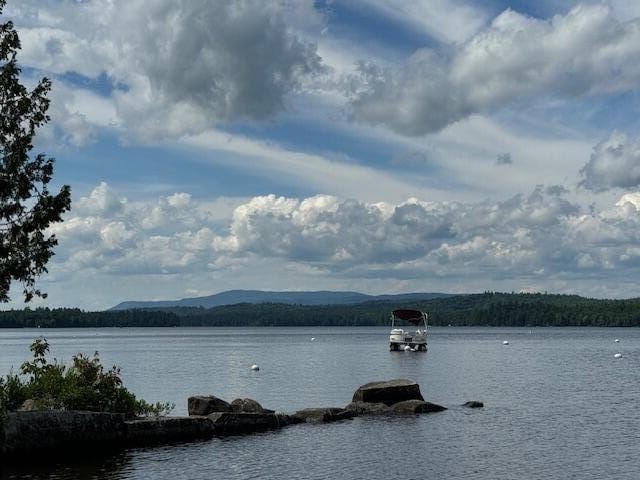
x,y
413,316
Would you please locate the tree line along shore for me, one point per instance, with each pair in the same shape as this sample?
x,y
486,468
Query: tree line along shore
x,y
485,309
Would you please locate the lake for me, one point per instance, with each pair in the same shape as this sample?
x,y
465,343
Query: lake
x,y
558,405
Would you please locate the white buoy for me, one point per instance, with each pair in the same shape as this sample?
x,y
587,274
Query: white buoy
x,y
505,343
617,355
407,348
313,339
255,367
617,340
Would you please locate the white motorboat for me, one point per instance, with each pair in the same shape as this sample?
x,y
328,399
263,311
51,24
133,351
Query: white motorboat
x,y
408,329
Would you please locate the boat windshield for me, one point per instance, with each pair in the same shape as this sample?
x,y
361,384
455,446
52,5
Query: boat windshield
x,y
408,317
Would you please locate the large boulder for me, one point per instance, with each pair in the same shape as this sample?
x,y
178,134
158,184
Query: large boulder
x,y
416,406
323,415
202,405
388,392
247,405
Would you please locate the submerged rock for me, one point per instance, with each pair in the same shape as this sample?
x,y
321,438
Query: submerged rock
x,y
323,415
163,429
230,423
203,405
473,404
364,408
388,392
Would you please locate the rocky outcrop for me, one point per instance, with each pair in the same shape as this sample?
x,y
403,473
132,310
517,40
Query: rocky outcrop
x,y
388,392
34,432
322,415
203,405
391,397
23,434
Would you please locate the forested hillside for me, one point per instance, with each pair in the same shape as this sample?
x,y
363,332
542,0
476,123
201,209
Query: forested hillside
x,y
487,309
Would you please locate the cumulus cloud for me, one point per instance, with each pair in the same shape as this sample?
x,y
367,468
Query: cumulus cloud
x,y
586,52
614,163
177,66
541,235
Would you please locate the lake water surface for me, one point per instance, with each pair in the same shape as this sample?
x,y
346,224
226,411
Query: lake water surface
x,y
558,405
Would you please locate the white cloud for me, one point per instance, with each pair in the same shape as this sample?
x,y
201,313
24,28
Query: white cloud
x,y
332,241
633,199
101,202
178,66
614,163
316,172
586,52
77,115
58,51
448,21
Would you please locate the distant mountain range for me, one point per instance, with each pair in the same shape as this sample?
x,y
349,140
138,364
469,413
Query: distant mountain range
x,y
232,297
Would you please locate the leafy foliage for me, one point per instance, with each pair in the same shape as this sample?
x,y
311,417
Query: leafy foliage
x,y
27,208
85,385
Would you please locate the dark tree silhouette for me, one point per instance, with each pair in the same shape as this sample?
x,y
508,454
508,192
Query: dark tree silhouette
x,y
27,208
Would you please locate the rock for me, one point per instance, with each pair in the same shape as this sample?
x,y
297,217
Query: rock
x,y
230,423
388,392
204,405
57,432
416,406
165,429
323,415
29,405
363,408
473,404
246,405
285,419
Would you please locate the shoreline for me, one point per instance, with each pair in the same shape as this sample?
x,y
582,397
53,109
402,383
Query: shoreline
x,y
51,433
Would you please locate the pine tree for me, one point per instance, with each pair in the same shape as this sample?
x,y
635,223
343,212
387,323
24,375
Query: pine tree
x,y
27,208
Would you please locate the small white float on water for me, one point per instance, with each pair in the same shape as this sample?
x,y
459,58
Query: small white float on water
x,y
505,343
617,340
255,367
617,355
313,339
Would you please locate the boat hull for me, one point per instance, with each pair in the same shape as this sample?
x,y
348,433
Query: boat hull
x,y
399,339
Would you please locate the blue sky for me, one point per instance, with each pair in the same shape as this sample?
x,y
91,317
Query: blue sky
x,y
375,145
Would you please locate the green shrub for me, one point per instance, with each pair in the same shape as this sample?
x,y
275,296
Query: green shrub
x,y
12,393
85,385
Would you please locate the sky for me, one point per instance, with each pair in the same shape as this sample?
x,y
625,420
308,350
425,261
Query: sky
x,y
374,146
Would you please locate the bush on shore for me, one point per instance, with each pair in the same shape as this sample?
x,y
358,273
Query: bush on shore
x,y
85,385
